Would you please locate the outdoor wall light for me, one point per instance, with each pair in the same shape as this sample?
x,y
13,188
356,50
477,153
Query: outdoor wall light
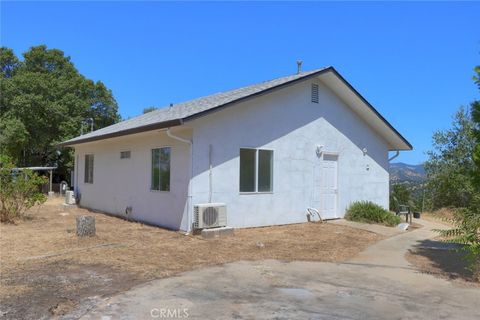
x,y
319,150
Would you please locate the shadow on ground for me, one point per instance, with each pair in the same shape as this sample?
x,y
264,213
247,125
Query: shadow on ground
x,y
55,289
441,259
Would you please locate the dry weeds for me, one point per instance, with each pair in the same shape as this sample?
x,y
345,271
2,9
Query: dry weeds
x,y
44,263
443,216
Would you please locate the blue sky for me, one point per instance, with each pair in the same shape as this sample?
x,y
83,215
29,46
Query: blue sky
x,y
412,61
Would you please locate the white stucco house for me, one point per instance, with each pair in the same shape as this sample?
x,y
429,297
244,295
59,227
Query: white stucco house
x,y
267,151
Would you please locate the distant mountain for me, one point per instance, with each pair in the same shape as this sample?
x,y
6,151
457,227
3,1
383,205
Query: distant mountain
x,y
402,172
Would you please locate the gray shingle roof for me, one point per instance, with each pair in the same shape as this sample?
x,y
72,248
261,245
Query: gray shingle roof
x,y
171,116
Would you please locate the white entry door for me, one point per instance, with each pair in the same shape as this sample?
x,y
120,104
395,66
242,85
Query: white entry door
x,y
329,187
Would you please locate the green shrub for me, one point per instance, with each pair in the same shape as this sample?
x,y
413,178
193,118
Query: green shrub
x,y
369,212
19,191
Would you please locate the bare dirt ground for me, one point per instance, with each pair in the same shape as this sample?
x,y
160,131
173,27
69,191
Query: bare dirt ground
x,y
46,270
444,264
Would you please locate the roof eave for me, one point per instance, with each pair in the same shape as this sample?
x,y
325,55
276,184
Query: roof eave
x,y
150,127
405,141
161,125
408,148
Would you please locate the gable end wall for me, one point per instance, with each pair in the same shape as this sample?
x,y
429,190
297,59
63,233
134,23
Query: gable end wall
x,y
287,122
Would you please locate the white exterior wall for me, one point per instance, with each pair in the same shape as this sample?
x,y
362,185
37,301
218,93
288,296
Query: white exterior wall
x,y
118,183
290,124
285,121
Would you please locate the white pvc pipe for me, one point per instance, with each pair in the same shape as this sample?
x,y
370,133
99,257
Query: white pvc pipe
x,y
210,188
50,180
171,135
189,196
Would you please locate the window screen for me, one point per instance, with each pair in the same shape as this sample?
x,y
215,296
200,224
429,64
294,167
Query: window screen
x,y
265,170
88,168
161,169
247,170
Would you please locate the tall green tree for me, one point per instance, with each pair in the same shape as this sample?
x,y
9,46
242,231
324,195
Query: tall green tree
x,y
466,220
8,62
450,166
475,105
400,195
44,100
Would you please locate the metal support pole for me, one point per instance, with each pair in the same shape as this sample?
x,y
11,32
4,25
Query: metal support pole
x,y
50,171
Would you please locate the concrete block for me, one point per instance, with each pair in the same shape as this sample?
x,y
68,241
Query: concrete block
x,y
403,226
85,226
65,205
217,232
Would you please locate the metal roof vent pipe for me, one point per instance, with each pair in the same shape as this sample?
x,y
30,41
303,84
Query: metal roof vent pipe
x,y
299,66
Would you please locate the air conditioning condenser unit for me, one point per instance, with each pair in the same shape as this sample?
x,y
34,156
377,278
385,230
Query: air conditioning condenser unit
x,y
209,215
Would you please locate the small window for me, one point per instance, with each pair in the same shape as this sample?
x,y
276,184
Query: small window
x,y
314,93
161,169
256,170
125,155
88,168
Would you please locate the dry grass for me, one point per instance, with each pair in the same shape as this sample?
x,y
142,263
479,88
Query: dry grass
x,y
444,216
42,259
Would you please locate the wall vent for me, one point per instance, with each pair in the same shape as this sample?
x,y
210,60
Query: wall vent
x,y
314,93
125,155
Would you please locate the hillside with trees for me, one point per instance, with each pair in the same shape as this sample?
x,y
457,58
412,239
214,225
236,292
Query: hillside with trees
x,y
402,172
407,185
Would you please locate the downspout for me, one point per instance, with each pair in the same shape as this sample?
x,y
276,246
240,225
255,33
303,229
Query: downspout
x,y
75,176
394,156
210,190
189,195
397,153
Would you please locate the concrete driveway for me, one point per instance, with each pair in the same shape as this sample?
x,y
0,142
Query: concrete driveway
x,y
377,284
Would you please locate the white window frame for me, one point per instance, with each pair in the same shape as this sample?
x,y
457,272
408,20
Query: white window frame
x,y
151,167
256,170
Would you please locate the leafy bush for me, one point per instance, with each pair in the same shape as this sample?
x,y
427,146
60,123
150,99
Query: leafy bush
x,y
369,212
19,191
401,193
